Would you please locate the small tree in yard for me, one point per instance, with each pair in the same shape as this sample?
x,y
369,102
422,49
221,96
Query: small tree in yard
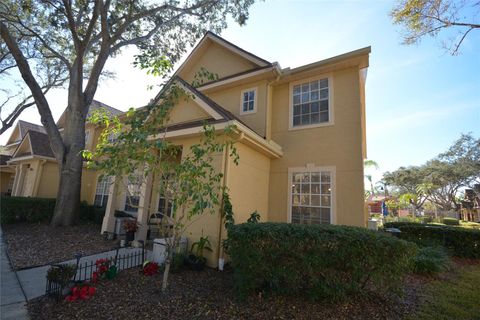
x,y
66,43
191,187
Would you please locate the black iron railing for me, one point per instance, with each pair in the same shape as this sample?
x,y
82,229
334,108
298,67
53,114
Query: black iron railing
x,y
85,270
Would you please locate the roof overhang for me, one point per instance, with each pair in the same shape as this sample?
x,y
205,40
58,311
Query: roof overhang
x,y
357,58
242,132
239,79
29,157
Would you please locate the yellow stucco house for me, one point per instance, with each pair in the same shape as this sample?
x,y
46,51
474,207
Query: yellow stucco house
x,y
301,139
28,167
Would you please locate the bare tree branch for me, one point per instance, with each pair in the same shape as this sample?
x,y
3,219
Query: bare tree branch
x,y
37,93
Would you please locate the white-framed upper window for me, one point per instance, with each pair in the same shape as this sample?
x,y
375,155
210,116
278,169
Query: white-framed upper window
x,y
311,195
310,103
249,101
101,191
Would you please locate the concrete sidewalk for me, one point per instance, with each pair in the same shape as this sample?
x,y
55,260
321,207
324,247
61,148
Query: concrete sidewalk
x,y
12,299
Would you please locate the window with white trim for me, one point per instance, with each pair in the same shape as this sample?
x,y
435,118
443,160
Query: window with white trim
x,y
101,191
248,101
311,196
132,197
310,103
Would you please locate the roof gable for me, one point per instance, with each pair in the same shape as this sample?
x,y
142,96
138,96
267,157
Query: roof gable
x,y
34,143
95,105
220,57
213,111
21,129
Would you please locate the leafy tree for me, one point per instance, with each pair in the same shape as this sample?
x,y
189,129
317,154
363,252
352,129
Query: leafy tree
x,y
429,17
439,180
141,152
67,43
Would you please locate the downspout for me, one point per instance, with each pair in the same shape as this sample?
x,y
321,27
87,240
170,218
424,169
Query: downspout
x,y
269,103
220,253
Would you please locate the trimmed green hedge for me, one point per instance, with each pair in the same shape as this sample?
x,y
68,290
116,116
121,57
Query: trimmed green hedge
x,y
34,210
320,261
461,242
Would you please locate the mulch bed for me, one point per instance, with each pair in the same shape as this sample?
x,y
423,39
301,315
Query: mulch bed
x,y
209,295
32,245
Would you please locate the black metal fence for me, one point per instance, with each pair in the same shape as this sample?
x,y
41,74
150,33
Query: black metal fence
x,y
85,270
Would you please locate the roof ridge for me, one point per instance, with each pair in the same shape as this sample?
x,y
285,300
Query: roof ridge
x,y
237,47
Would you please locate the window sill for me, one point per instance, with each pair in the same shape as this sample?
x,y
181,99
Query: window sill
x,y
244,113
310,126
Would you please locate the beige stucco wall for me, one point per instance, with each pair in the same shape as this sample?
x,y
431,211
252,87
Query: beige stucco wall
x,y
231,100
338,145
218,60
49,181
186,110
207,224
248,183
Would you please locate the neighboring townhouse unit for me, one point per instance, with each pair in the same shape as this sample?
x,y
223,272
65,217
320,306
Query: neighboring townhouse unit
x,y
28,165
300,137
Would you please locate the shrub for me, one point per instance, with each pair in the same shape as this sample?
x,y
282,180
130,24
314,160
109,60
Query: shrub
x,y
35,210
461,242
315,260
451,221
23,209
431,260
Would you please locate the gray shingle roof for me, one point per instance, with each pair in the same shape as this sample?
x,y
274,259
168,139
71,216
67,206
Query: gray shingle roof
x,y
97,105
40,144
25,126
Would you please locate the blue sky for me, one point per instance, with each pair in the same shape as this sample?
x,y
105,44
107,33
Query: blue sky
x,y
419,98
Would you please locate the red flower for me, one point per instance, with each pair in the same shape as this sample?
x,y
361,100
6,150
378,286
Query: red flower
x,y
150,269
70,298
81,293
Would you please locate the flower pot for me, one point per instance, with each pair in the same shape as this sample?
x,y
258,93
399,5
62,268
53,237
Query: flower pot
x,y
196,263
129,236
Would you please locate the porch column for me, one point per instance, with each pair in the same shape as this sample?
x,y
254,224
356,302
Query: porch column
x,y
38,177
109,218
19,177
144,208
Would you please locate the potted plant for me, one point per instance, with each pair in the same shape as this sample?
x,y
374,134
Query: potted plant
x,y
130,227
62,275
196,261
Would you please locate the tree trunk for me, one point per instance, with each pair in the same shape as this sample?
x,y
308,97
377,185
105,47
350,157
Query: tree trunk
x,y
165,275
70,167
66,211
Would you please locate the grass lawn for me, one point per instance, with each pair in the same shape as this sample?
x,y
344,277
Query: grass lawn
x,y
457,297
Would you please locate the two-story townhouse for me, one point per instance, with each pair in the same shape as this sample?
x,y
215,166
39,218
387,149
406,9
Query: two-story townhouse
x,y
300,137
29,168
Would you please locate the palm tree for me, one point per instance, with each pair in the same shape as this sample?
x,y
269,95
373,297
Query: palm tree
x,y
370,164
